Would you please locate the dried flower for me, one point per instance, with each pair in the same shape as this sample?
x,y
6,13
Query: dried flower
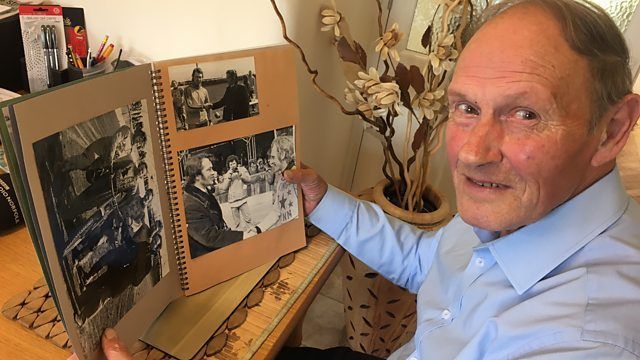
x,y
353,96
371,96
429,103
367,80
387,43
444,56
331,19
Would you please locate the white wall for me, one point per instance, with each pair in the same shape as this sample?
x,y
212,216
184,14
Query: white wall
x,y
159,30
632,35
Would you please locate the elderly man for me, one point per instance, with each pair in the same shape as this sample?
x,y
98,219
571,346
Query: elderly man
x,y
543,259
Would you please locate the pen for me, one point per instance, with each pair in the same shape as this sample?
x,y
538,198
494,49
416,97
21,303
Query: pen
x,y
77,60
45,49
118,60
106,53
72,56
70,59
89,58
47,32
102,45
54,48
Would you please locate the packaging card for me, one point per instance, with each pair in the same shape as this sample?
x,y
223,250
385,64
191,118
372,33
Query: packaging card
x,y
42,54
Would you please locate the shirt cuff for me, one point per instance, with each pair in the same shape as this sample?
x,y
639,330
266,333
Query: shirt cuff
x,y
334,212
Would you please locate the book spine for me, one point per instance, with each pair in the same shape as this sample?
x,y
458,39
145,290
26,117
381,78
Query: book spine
x,y
172,188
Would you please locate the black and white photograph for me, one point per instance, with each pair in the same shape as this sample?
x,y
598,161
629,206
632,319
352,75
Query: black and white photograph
x,y
101,196
213,92
234,190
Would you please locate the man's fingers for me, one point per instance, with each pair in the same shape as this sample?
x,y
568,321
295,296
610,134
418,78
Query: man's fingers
x,y
301,176
113,348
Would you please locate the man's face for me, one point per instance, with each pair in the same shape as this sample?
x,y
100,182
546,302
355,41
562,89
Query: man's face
x,y
207,174
517,137
274,160
233,165
197,79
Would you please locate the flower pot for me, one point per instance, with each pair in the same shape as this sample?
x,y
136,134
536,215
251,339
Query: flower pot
x,y
379,315
427,221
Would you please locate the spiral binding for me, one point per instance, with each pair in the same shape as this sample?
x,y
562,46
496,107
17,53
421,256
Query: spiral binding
x,y
169,178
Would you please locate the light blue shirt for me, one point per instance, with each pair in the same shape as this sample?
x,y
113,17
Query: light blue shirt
x,y
565,287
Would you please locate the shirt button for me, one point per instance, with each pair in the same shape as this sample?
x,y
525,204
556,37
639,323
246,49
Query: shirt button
x,y
446,314
480,262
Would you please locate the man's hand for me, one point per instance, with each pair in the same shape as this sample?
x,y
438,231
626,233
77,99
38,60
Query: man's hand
x,y
313,186
113,348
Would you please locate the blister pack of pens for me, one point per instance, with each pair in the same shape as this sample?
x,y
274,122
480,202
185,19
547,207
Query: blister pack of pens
x,y
44,45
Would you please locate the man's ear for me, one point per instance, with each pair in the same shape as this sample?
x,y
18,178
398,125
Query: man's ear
x,y
619,123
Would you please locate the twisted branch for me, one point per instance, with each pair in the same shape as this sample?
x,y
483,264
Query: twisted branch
x,y
380,28
314,73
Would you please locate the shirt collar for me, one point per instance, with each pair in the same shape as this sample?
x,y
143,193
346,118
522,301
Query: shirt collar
x,y
530,253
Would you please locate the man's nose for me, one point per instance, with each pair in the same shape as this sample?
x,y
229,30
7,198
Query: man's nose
x,y
483,143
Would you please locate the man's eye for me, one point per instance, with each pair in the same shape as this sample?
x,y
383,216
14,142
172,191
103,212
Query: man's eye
x,y
467,109
526,115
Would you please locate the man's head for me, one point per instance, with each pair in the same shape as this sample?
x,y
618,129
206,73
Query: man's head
x,y
232,77
148,197
232,162
139,138
196,77
281,155
521,137
135,211
142,169
174,84
199,171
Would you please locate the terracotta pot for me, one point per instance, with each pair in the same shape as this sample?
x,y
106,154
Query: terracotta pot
x,y
381,316
422,220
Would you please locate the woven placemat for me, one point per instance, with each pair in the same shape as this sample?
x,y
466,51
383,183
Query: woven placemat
x,y
239,337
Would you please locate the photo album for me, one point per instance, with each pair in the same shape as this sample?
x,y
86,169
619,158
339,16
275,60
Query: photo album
x,y
155,182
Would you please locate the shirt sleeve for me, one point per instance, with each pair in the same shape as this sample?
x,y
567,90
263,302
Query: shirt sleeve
x,y
399,251
579,350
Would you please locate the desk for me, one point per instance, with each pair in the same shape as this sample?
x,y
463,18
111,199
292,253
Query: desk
x,y
20,269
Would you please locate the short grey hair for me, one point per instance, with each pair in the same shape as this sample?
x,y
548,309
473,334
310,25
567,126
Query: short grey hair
x,y
591,33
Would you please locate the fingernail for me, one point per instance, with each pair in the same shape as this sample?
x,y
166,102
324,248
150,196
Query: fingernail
x,y
110,334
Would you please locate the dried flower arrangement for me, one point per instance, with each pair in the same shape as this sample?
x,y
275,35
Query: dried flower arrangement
x,y
377,98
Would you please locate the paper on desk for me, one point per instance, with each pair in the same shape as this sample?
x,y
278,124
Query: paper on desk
x,y
188,322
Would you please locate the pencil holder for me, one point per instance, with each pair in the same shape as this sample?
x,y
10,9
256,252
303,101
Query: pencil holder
x,y
76,73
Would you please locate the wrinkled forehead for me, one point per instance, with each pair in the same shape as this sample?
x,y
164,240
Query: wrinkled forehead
x,y
525,43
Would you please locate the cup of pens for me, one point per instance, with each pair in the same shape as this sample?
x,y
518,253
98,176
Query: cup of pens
x,y
91,65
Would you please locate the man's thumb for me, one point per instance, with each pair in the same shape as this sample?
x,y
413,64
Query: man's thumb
x,y
113,348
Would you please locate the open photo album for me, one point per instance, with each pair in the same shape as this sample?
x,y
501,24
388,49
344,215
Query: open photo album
x,y
155,182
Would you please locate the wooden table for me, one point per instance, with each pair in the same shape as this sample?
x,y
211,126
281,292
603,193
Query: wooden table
x,y
20,269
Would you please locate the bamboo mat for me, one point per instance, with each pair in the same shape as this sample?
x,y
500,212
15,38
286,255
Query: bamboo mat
x,y
279,298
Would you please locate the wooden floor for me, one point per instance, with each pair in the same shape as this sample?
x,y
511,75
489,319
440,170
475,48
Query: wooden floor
x,y
629,164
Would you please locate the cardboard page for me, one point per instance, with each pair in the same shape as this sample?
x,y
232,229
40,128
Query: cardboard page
x,y
86,179
205,118
195,318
